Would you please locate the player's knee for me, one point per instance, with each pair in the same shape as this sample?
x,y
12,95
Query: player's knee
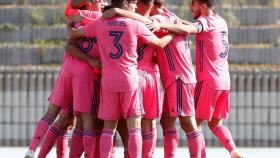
x,y
167,123
97,124
133,122
52,112
188,124
148,125
110,124
214,123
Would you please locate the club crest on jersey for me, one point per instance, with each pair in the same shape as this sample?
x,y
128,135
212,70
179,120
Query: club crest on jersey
x,y
86,44
224,37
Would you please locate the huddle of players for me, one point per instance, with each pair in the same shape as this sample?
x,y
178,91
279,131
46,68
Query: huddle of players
x,y
133,60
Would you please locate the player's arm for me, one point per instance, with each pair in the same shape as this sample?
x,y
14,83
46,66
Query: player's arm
x,y
80,3
185,22
180,29
79,16
75,52
75,33
162,42
124,13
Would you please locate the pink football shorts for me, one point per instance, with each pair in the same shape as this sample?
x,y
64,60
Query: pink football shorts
x,y
151,93
116,105
178,99
211,103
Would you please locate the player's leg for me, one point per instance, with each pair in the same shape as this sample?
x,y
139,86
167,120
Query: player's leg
x,y
199,123
54,132
109,111
132,112
76,141
151,99
86,96
204,103
149,136
135,137
194,136
97,126
62,141
122,129
107,138
170,137
186,113
114,147
167,122
216,126
41,129
89,135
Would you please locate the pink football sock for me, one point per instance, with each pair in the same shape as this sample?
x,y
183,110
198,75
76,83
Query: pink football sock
x,y
52,134
106,143
89,138
203,146
97,144
62,144
170,140
224,137
41,129
194,143
76,144
114,147
149,143
135,143
125,153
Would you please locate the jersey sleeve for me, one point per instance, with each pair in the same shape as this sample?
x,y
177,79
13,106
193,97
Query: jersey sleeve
x,y
68,8
90,30
202,25
145,34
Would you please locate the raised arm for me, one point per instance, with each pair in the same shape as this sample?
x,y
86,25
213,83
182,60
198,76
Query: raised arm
x,y
180,29
162,42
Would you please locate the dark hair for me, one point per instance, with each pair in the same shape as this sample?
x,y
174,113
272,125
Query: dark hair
x,y
107,8
209,3
118,3
158,3
146,2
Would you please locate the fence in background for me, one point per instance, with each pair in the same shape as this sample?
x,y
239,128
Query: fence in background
x,y
254,118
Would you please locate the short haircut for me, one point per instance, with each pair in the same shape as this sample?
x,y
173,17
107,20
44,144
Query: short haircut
x,y
209,3
107,8
146,2
118,3
158,3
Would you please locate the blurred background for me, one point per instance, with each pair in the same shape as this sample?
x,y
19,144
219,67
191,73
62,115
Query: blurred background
x,y
32,38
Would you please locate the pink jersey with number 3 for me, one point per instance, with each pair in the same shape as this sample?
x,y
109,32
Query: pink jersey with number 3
x,y
212,50
117,40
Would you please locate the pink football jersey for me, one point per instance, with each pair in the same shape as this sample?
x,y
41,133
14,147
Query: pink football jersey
x,y
175,59
146,56
81,68
212,48
117,40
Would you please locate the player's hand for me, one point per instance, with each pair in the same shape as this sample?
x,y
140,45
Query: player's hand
x,y
78,17
95,63
165,10
108,14
178,21
70,33
153,26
